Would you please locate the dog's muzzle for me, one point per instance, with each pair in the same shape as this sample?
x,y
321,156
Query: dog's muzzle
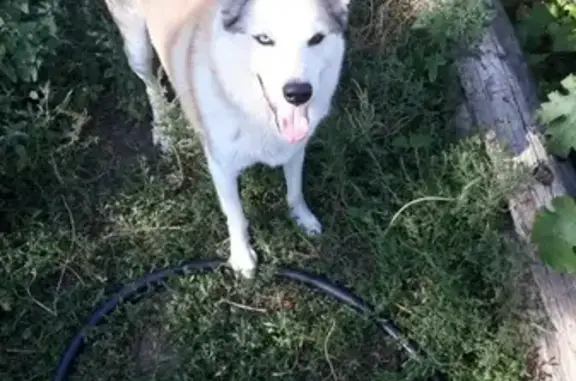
x,y
291,118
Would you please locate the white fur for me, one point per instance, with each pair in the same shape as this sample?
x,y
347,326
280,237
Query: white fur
x,y
238,126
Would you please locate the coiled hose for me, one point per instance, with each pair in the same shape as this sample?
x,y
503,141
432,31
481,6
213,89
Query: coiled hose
x,y
131,291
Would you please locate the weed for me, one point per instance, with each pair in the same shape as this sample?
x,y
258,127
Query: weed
x,y
89,209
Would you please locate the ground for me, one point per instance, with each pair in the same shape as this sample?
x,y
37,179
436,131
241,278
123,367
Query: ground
x,y
91,206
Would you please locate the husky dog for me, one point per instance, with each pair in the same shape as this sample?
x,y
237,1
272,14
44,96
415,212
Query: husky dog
x,y
253,77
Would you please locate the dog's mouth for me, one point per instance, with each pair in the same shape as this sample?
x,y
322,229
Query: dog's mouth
x,y
291,121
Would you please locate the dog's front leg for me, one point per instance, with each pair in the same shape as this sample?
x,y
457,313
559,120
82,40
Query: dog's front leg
x,y
299,210
242,259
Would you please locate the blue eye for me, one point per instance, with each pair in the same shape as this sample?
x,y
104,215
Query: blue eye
x,y
263,39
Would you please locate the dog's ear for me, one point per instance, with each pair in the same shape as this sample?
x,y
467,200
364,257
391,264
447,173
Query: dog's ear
x,y
232,14
338,10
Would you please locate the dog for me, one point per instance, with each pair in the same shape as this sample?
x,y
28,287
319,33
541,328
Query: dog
x,y
254,78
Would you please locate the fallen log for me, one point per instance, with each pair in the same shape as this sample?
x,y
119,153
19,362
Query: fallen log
x,y
500,98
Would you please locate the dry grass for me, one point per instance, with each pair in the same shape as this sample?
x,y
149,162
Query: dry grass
x,y
88,212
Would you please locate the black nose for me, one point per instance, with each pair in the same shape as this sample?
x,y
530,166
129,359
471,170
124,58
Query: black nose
x,y
297,93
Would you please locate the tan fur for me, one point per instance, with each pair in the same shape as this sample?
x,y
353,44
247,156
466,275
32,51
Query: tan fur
x,y
165,21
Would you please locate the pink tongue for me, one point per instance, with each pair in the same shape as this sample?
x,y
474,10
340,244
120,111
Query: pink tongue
x,y
295,126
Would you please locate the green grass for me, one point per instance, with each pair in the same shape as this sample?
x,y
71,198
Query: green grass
x,y
89,207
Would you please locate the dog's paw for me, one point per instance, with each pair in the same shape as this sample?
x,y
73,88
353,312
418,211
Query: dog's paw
x,y
307,221
243,260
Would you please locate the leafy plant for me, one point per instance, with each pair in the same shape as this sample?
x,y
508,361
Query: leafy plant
x,y
554,232
27,36
548,26
546,31
560,116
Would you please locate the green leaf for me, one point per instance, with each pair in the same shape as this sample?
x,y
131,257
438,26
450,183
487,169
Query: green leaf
x,y
571,9
568,7
420,141
535,59
540,17
554,233
558,113
535,25
25,7
563,38
8,71
433,63
22,157
400,142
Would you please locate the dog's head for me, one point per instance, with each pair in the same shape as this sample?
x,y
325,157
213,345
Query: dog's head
x,y
292,43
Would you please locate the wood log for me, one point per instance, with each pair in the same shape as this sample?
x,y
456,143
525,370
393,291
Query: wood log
x,y
500,98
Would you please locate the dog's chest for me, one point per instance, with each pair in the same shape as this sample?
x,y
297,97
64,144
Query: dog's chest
x,y
240,145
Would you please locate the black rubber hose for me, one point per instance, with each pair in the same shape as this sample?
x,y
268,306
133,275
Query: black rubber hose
x,y
131,291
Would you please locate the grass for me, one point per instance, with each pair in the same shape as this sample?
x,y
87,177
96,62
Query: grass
x,y
89,207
